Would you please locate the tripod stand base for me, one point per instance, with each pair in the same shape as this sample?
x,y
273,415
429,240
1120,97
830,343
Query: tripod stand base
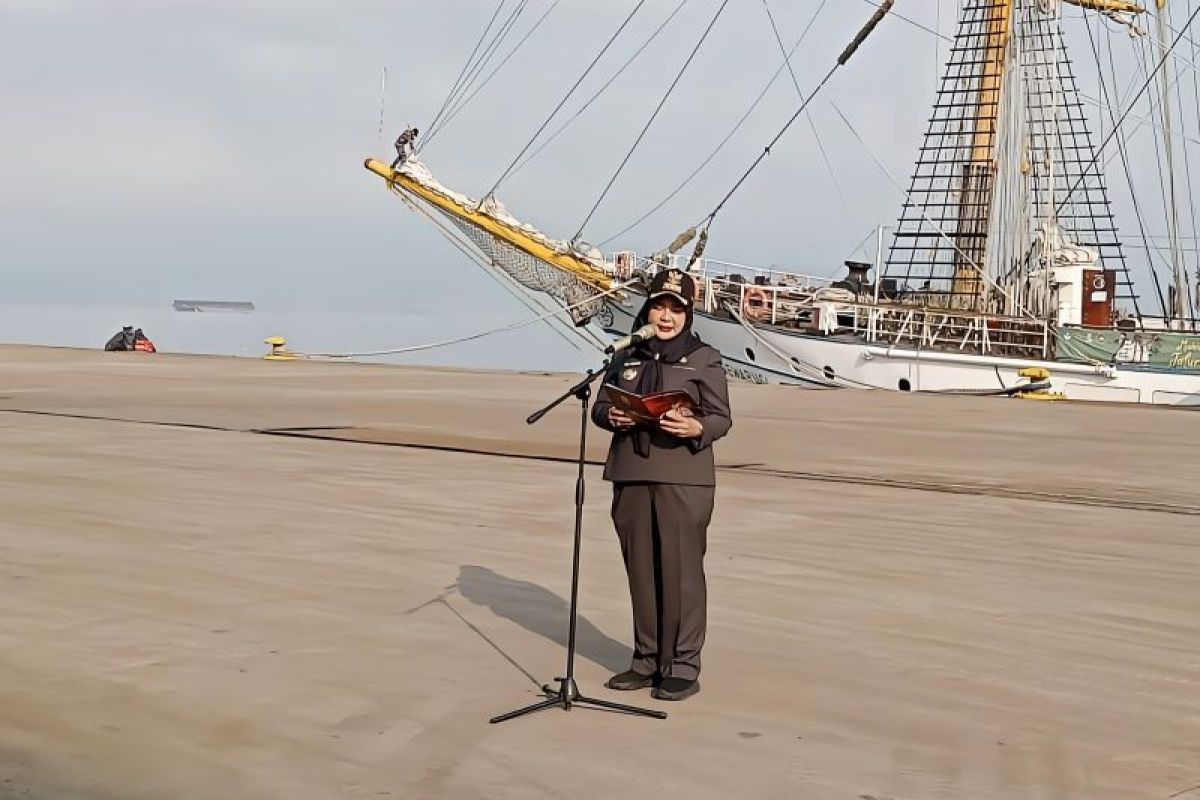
x,y
568,695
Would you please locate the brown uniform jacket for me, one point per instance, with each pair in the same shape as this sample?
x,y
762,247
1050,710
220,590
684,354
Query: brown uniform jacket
x,y
672,460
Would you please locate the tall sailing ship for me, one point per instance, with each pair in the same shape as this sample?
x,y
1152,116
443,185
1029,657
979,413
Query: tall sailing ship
x,y
1005,269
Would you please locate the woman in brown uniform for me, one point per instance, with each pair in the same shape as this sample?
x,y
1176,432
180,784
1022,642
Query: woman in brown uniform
x,y
663,486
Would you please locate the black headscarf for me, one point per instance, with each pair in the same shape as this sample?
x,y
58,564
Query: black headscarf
x,y
654,353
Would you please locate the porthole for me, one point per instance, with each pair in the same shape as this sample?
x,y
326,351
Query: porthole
x,y
749,354
905,386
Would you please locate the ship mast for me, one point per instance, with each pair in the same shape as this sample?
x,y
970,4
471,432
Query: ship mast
x,y
978,173
1003,188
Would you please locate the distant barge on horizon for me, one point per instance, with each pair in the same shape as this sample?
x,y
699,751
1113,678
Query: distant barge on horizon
x,y
214,305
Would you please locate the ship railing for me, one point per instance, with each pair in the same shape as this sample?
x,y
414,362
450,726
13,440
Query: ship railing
x,y
770,279
772,296
898,325
829,311
811,304
784,304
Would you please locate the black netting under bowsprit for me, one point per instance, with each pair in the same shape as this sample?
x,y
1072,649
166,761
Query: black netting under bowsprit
x,y
533,273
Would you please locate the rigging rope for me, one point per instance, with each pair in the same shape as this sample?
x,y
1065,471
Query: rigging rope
x,y
721,144
460,106
459,340
1150,79
800,93
502,278
912,22
936,227
1137,211
1143,122
601,90
650,122
1086,98
1154,109
937,43
1189,62
493,46
552,315
860,248
1168,155
382,102
1187,175
563,102
866,31
1182,126
1122,138
466,67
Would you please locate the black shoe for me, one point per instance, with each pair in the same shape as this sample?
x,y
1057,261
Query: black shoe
x,y
675,689
629,680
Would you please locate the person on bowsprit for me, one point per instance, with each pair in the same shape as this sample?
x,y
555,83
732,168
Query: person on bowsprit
x,y
664,483
405,144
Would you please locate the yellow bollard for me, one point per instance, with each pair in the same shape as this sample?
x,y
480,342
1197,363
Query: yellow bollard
x,y
1038,375
279,351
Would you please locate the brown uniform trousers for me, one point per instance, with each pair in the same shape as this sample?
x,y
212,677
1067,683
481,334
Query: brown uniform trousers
x,y
661,509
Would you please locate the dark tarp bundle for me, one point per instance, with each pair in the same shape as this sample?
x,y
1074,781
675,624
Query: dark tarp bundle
x,y
129,339
122,340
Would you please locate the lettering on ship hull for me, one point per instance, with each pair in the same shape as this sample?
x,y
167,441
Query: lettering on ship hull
x,y
1185,356
741,373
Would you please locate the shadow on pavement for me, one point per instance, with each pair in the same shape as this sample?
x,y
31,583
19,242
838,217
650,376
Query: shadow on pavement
x,y
540,611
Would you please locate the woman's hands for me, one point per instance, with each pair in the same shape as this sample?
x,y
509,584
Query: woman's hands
x,y
679,422
619,419
682,423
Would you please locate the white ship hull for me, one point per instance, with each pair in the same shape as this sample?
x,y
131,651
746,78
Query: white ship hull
x,y
773,355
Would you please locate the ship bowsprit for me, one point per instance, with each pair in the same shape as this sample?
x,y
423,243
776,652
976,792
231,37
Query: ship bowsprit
x,y
575,276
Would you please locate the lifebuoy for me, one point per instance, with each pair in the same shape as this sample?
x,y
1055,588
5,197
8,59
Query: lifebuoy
x,y
755,304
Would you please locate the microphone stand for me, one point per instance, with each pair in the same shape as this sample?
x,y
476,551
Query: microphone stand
x,y
567,694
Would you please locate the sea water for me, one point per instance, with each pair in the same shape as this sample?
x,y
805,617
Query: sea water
x,y
535,347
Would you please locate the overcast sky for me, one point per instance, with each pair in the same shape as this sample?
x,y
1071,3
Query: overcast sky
x,y
161,149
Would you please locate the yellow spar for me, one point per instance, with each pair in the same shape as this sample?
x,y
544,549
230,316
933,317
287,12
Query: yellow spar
x,y
1114,6
580,267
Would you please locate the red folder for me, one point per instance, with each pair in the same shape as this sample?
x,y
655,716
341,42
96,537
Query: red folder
x,y
648,408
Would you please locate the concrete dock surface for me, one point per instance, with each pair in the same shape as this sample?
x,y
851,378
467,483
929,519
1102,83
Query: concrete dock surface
x,y
237,578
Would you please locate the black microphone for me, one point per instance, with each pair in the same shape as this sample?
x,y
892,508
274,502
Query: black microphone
x,y
637,337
